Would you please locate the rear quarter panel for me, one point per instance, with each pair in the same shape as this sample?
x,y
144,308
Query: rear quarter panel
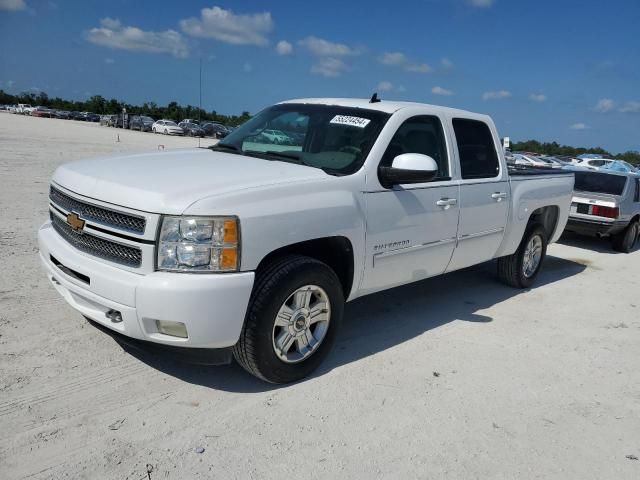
x,y
529,194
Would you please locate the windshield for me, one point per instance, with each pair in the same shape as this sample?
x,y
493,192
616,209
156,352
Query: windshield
x,y
146,119
335,139
597,182
170,123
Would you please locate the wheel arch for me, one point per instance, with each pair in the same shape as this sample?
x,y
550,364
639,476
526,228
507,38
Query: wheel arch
x,y
547,217
335,251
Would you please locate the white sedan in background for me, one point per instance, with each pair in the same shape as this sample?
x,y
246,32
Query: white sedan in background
x,y
168,127
530,161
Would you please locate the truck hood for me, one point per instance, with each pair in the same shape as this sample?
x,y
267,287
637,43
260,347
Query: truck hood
x,y
168,182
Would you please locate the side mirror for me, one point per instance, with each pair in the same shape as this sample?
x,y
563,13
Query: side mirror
x,y
408,168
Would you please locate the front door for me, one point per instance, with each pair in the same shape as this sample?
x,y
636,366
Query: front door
x,y
411,229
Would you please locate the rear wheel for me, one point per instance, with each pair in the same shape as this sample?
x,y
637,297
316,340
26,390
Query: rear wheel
x,y
626,240
520,269
294,313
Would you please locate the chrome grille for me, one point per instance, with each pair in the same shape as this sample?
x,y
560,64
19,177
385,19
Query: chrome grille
x,y
96,246
87,211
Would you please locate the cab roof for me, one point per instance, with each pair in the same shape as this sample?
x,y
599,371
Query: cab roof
x,y
386,106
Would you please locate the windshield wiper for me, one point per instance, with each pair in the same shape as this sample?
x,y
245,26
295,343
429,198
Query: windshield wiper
x,y
284,155
224,146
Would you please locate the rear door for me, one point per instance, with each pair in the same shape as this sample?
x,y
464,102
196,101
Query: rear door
x,y
411,229
484,193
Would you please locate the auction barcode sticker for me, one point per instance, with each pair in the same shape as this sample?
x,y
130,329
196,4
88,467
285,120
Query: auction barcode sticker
x,y
351,121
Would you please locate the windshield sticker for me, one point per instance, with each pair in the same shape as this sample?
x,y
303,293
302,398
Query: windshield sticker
x,y
351,121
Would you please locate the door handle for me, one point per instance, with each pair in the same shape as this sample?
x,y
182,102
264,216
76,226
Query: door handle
x,y
446,202
498,196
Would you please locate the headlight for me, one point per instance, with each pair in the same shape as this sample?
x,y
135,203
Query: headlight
x,y
199,244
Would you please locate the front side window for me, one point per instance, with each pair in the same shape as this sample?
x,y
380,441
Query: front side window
x,y
478,157
333,138
422,134
636,196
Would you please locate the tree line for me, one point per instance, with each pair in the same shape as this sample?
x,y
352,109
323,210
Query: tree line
x,y
100,105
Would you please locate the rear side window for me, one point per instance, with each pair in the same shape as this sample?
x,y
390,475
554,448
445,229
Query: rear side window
x,y
597,182
421,134
478,157
636,196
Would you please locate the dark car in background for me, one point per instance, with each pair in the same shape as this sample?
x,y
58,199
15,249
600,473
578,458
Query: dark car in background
x,y
91,117
76,116
61,114
215,130
140,122
191,129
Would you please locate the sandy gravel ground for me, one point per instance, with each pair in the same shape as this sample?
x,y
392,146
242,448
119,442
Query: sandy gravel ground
x,y
453,377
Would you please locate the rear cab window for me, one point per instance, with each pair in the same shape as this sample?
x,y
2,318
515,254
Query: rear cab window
x,y
476,149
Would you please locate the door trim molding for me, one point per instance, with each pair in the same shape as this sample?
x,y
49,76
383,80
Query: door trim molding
x,y
480,234
412,248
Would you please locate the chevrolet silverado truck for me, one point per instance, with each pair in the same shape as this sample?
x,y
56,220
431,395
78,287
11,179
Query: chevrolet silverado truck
x,y
607,204
250,248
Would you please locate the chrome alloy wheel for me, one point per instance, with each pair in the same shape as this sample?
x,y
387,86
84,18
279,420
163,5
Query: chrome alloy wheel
x,y
301,324
532,256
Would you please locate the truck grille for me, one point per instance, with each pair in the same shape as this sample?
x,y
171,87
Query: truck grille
x,y
96,246
109,218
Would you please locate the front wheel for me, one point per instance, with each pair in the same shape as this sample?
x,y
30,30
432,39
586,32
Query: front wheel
x,y
626,240
520,269
294,313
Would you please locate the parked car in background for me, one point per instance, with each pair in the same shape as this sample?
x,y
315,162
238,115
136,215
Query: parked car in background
x,y
141,122
277,136
215,130
168,127
552,161
42,112
106,120
190,120
522,160
619,166
191,129
593,163
91,117
23,109
76,115
61,114
607,204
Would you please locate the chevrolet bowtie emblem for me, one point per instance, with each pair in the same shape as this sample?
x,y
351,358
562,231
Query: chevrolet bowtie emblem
x,y
75,222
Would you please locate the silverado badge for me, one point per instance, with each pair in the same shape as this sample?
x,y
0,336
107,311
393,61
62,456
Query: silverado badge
x,y
75,222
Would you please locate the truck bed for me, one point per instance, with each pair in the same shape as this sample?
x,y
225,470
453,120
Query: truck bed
x,y
516,172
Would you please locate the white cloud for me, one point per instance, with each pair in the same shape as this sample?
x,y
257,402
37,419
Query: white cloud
x,y
228,27
113,34
247,67
393,58
579,126
605,105
329,67
385,86
10,83
401,89
441,91
399,59
284,48
538,97
481,3
497,95
324,48
630,107
446,64
12,5
109,61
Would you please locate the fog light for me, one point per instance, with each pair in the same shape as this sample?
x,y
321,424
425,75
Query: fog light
x,y
174,329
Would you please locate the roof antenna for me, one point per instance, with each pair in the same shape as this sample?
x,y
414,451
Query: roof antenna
x,y
374,98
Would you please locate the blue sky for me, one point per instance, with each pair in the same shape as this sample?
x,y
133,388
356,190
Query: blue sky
x,y
565,70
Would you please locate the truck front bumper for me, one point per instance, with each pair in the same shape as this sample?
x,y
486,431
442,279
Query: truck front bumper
x,y
211,306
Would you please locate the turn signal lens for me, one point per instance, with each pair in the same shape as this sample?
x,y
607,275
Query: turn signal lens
x,y
230,231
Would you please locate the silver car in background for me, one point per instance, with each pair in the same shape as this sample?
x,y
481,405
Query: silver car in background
x,y
607,204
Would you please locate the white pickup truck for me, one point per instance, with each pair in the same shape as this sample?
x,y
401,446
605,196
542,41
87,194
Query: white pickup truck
x,y
251,248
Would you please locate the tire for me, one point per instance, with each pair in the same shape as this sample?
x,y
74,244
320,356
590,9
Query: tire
x,y
166,132
274,286
511,269
626,240
154,130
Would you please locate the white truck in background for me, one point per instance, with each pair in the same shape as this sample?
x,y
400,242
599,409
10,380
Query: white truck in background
x,y
251,247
